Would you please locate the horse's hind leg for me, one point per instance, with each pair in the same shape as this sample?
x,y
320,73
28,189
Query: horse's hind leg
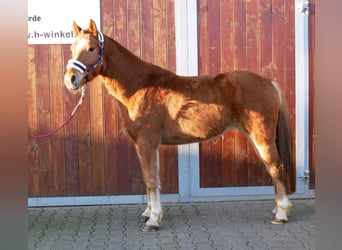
x,y
267,150
148,155
269,155
283,205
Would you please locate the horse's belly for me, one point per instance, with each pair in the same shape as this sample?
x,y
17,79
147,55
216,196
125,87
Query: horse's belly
x,y
198,128
179,139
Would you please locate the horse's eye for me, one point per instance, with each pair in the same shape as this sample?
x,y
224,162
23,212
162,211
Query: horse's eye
x,y
91,49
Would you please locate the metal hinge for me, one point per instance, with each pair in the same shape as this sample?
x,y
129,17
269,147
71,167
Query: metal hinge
x,y
305,177
304,8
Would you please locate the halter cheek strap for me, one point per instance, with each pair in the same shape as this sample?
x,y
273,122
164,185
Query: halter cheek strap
x,y
76,64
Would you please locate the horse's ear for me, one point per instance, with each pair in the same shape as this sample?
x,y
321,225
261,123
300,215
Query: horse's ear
x,y
92,27
77,29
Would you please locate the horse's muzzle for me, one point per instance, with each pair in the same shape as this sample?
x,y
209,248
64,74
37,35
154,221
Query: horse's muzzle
x,y
73,80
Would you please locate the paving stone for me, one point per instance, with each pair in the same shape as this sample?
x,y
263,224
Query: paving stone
x,y
220,225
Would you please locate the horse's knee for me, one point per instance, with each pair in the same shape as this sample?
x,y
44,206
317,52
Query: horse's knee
x,y
151,178
152,185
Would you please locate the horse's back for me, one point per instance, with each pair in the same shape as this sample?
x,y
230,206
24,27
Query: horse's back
x,y
238,85
234,93
245,83
203,107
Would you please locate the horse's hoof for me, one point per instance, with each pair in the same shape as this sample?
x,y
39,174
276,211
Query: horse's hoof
x,y
150,228
143,219
277,221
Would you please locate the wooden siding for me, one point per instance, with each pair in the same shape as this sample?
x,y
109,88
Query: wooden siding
x,y
252,35
92,155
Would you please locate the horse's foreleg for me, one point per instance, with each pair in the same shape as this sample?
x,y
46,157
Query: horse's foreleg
x,y
153,223
148,156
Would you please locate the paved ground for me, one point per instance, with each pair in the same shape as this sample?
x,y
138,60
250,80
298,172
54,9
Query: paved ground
x,y
215,225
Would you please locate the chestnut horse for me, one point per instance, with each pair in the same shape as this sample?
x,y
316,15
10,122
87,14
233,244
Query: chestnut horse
x,y
159,107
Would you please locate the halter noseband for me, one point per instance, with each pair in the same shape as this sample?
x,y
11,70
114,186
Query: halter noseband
x,y
76,64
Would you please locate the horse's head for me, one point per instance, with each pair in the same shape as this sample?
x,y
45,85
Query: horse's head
x,y
87,52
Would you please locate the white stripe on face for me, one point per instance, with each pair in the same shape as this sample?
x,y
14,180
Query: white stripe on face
x,y
80,46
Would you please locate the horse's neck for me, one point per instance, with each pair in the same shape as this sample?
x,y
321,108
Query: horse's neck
x,y
123,72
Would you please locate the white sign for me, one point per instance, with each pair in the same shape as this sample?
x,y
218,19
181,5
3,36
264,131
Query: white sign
x,y
50,21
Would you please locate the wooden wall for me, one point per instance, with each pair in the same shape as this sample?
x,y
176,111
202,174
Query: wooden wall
x,y
253,35
92,155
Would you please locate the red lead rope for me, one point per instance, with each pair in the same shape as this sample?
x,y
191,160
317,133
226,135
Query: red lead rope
x,y
65,123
